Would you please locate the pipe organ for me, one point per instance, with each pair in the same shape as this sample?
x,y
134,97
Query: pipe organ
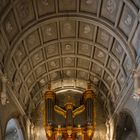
x,y
70,122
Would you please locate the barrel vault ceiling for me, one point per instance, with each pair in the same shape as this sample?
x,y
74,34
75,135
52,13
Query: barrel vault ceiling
x,y
69,42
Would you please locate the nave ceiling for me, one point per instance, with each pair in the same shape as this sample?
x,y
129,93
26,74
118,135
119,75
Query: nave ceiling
x,y
68,43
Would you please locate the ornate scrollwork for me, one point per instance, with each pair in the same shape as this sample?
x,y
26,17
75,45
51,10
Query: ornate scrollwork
x,y
60,111
78,110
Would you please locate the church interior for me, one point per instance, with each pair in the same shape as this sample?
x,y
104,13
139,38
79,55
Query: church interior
x,y
69,69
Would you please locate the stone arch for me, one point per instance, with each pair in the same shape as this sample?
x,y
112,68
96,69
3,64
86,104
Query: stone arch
x,y
13,130
126,126
0,132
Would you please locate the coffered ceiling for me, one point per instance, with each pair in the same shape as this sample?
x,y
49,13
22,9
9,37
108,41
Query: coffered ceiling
x,y
69,42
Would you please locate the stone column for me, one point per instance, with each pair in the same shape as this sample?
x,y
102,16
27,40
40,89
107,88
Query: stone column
x,y
0,133
24,126
19,131
3,95
28,128
32,130
108,130
136,76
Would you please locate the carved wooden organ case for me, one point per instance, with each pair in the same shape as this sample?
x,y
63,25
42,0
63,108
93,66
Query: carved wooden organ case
x,y
69,121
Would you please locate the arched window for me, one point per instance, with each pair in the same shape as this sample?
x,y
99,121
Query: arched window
x,y
13,130
126,129
0,134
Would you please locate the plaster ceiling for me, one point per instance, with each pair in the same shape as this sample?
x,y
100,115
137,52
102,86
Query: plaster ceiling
x,y
69,42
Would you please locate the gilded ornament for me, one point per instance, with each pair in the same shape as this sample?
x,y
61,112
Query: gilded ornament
x,y
69,131
78,110
49,95
49,131
90,131
60,111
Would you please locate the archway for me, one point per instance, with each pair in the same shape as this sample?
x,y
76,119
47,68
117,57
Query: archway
x,y
13,130
0,133
126,129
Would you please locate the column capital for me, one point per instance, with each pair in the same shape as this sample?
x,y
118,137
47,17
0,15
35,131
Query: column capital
x,y
49,94
89,93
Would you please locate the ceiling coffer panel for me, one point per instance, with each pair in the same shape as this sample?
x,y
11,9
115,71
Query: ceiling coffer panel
x,y
109,9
